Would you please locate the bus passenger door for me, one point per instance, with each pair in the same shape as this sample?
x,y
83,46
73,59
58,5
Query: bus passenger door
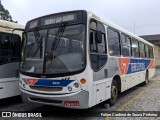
x,y
98,50
98,59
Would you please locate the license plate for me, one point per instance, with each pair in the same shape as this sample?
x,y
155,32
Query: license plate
x,y
71,103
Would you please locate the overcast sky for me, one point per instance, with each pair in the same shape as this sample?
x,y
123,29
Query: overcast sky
x,y
144,13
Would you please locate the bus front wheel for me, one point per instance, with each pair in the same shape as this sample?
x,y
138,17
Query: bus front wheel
x,y
114,93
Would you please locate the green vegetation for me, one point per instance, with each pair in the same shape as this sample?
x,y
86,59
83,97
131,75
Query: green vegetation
x,y
4,14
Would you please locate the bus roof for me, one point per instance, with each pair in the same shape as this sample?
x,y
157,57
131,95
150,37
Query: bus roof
x,y
110,24
10,25
106,22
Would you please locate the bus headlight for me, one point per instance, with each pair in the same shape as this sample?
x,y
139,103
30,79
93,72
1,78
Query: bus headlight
x,y
70,88
76,85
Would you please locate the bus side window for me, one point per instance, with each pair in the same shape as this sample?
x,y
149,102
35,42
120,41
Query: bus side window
x,y
126,45
5,51
9,48
97,43
142,50
15,48
147,51
93,46
135,48
113,42
93,29
151,54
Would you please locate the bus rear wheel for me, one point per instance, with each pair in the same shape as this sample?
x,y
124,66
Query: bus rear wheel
x,y
146,79
114,93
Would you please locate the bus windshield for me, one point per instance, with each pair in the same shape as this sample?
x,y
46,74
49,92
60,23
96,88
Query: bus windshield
x,y
54,51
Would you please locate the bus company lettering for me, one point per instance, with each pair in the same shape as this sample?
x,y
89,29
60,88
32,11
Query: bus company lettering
x,y
137,67
127,65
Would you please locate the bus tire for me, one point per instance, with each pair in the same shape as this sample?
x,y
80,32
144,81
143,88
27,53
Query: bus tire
x,y
114,93
146,79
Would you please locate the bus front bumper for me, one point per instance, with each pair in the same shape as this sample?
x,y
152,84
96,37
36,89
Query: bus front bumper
x,y
78,100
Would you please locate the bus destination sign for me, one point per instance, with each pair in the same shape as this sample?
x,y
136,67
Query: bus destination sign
x,y
59,19
75,17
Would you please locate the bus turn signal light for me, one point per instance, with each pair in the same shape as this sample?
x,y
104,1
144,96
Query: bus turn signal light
x,y
83,81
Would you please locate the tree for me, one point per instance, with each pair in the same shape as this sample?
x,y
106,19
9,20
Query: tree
x,y
4,13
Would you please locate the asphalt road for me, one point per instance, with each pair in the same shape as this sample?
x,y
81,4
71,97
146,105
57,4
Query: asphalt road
x,y
139,98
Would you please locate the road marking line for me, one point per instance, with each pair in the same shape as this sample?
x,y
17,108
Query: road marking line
x,y
122,107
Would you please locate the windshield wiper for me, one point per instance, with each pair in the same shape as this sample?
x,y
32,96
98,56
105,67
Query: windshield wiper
x,y
55,42
38,42
58,36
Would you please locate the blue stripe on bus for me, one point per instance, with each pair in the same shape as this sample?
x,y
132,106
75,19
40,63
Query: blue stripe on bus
x,y
46,82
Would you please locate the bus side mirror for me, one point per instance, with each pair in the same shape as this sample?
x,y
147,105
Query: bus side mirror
x,y
98,37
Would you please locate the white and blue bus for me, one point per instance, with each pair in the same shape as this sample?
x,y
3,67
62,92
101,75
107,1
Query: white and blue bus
x,y
76,60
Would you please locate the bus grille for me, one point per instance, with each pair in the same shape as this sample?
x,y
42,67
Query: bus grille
x,y
45,100
44,88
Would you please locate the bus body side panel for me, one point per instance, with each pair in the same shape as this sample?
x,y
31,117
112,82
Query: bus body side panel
x,y
6,89
101,91
133,71
8,70
8,80
16,88
132,80
103,80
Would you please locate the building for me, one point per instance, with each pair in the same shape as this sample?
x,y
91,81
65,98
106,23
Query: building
x,y
154,39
